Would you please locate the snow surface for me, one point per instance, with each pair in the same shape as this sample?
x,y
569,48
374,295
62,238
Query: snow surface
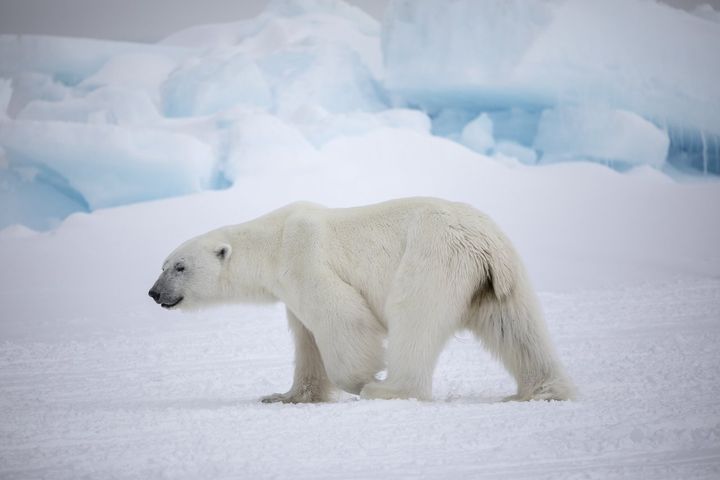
x,y
533,82
96,381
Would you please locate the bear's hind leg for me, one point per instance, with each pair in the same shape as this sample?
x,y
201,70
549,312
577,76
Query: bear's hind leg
x,y
310,383
513,329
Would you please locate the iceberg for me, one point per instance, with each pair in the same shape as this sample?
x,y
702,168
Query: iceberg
x,y
600,134
88,124
213,83
105,165
478,134
499,56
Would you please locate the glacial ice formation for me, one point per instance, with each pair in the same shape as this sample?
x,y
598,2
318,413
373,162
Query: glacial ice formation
x,y
505,56
87,124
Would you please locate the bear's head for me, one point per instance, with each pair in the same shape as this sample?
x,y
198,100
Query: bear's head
x,y
194,274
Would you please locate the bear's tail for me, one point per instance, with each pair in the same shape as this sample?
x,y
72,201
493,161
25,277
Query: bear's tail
x,y
501,264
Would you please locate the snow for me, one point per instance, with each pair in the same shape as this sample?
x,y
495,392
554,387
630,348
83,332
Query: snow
x,y
179,400
103,173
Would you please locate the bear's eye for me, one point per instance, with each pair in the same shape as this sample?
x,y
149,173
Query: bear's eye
x,y
179,268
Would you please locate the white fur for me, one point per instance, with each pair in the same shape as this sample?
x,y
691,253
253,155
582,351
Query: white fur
x,y
413,271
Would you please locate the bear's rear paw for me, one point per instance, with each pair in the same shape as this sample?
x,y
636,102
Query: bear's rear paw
x,y
277,398
554,390
286,398
305,396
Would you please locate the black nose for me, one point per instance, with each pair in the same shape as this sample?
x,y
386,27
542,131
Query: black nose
x,y
155,295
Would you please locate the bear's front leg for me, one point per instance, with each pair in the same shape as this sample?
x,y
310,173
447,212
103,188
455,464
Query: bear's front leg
x,y
310,384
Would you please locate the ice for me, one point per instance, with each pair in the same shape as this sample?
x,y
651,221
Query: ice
x,y
600,134
143,70
107,123
36,197
260,143
478,134
513,150
449,122
291,21
213,83
516,125
308,52
331,77
69,60
469,49
320,126
112,105
30,86
495,56
104,165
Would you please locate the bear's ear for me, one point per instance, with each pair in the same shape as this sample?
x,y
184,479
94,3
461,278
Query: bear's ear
x,y
223,251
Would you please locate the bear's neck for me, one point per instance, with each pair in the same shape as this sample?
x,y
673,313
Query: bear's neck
x,y
254,260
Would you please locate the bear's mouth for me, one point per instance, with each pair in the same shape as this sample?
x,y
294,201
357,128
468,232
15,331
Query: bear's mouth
x,y
171,305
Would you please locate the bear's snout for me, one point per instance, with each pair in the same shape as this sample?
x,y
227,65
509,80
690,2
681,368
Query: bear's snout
x,y
155,295
164,298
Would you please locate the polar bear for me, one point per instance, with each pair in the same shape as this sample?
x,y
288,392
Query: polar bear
x,y
412,271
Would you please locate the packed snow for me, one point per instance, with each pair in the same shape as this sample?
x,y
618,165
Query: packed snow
x,y
103,173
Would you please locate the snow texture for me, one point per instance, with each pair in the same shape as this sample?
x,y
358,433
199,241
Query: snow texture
x,y
533,82
179,400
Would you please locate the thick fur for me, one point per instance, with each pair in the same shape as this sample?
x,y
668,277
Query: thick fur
x,y
413,271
